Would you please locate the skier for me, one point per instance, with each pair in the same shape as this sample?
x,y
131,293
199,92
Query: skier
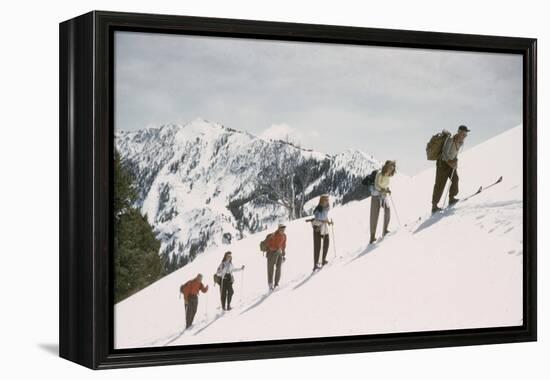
x,y
190,292
380,191
276,246
446,167
320,225
225,273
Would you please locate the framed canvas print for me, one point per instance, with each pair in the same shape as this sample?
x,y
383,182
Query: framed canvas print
x,y
236,189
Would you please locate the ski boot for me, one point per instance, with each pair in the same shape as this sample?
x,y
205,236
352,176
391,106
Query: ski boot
x,y
372,239
435,209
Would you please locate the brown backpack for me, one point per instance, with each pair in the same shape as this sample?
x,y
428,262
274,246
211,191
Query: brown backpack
x,y
435,145
182,287
263,243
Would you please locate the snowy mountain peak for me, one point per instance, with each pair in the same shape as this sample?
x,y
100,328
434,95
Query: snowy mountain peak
x,y
359,159
202,184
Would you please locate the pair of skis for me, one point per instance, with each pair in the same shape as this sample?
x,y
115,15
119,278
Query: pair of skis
x,y
481,189
319,267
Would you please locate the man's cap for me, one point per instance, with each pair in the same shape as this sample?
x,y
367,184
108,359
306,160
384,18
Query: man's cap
x,y
463,128
281,225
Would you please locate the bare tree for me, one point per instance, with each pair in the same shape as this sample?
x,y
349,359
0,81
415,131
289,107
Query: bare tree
x,y
277,181
304,176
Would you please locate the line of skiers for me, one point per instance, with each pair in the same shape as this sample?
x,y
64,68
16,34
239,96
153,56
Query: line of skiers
x,y
442,148
275,247
223,277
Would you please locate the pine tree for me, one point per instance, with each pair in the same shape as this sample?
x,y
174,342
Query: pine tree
x,y
137,260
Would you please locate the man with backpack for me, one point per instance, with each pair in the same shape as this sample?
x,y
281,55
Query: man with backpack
x,y
190,292
276,250
446,164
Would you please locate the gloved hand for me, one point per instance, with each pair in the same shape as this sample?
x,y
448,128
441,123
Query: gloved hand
x,y
242,267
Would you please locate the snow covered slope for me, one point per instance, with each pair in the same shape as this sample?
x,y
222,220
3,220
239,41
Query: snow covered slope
x,y
198,182
459,269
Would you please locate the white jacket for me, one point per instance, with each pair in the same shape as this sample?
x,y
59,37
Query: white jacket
x,y
321,219
226,268
381,184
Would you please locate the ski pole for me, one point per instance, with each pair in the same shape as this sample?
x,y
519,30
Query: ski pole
x,y
452,175
333,238
222,290
206,305
242,286
449,189
395,209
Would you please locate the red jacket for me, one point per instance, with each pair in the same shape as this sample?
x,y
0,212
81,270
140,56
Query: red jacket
x,y
276,241
192,288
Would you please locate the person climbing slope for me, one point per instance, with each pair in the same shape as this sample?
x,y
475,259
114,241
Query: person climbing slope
x,y
320,225
276,250
446,168
380,192
225,275
190,292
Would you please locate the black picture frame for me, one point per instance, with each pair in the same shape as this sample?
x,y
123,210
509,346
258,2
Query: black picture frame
x,y
86,152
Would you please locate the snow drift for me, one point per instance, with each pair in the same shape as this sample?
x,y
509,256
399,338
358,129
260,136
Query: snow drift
x,y
455,270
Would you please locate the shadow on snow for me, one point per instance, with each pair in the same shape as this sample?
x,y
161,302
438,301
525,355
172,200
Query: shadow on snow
x,y
175,337
433,219
366,251
306,279
209,324
257,303
313,273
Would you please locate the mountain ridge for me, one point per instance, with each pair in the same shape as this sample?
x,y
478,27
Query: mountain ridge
x,y
202,184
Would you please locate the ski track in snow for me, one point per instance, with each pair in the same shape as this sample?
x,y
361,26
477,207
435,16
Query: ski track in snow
x,y
203,324
461,268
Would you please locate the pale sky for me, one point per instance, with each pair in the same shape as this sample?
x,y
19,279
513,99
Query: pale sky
x,y
383,101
